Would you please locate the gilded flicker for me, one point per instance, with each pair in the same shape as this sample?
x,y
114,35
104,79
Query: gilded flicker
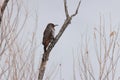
x,y
48,35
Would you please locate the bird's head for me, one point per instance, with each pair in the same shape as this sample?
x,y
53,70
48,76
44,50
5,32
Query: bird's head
x,y
51,24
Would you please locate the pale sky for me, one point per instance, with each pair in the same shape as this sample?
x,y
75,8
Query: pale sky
x,y
81,25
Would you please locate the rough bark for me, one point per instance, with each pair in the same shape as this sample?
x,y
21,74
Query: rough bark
x,y
50,47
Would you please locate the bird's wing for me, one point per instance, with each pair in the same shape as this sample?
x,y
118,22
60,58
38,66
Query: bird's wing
x,y
47,32
47,35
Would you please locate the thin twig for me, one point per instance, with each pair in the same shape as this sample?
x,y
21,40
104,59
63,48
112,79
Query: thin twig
x,y
66,10
76,12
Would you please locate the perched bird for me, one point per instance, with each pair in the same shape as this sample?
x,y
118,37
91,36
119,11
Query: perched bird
x,y
48,35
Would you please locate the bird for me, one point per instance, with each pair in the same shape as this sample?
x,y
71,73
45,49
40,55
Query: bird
x,y
48,35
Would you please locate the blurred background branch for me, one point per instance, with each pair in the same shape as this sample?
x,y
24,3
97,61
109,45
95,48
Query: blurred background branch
x,y
2,9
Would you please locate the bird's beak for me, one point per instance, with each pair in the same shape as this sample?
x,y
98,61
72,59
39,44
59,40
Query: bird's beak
x,y
56,25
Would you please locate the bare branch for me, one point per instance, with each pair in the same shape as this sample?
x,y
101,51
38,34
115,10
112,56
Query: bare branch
x,y
76,9
3,9
50,47
66,10
46,55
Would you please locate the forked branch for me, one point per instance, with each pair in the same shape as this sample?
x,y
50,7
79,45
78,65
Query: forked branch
x,y
50,47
